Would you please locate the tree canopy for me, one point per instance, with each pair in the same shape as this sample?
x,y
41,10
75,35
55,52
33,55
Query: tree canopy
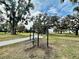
x,y
16,10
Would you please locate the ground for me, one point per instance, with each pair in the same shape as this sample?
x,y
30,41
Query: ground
x,y
8,36
62,46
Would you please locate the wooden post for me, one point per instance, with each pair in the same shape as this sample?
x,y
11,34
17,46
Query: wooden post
x,y
76,31
30,34
47,37
38,40
33,36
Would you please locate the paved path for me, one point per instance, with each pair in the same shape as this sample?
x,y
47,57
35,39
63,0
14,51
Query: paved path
x,y
4,43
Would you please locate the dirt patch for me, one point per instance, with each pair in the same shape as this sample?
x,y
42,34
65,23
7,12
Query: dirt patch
x,y
41,52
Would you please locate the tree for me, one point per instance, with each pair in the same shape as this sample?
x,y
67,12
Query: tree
x,y
41,25
72,22
38,26
2,26
33,30
21,27
74,1
76,19
66,24
16,11
76,9
55,23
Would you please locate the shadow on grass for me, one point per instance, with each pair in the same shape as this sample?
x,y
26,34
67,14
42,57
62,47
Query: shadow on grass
x,y
41,52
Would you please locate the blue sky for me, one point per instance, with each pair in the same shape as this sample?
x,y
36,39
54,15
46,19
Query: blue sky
x,y
53,7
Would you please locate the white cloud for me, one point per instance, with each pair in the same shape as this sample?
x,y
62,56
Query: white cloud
x,y
35,13
52,10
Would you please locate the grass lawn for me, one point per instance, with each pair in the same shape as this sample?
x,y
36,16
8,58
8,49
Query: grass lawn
x,y
8,36
66,45
62,46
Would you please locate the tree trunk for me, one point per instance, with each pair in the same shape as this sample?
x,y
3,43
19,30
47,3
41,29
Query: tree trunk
x,y
13,27
38,40
13,23
13,31
76,32
30,34
33,37
61,31
47,38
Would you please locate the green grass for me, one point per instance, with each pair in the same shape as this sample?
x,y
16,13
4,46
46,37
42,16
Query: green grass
x,y
63,37
8,36
66,45
63,46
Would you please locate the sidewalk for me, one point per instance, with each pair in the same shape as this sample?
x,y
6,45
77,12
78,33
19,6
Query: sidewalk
x,y
4,43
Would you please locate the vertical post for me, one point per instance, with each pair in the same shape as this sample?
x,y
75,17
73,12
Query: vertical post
x,y
38,40
33,36
76,32
47,37
30,34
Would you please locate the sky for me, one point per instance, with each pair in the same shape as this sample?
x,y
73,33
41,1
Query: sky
x,y
53,7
